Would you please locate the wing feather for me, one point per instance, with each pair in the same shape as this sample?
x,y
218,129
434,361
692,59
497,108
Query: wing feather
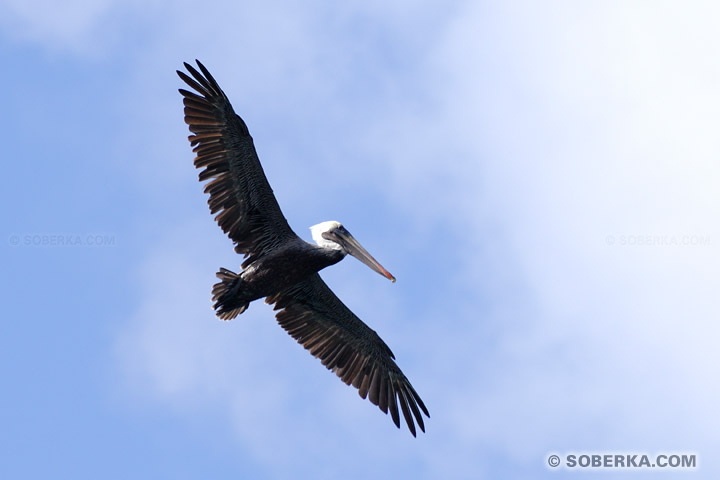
x,y
240,194
312,314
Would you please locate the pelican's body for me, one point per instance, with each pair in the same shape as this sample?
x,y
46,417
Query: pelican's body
x,y
287,265
280,266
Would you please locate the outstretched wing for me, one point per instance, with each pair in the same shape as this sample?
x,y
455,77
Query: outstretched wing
x,y
312,314
239,191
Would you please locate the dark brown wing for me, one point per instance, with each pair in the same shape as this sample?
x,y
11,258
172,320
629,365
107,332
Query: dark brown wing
x,y
239,191
312,314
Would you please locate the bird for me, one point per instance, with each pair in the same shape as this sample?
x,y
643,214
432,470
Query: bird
x,y
280,266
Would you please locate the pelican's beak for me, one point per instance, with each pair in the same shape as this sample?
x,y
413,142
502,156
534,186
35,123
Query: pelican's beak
x,y
354,248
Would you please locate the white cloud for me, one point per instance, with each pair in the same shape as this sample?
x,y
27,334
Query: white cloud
x,y
589,123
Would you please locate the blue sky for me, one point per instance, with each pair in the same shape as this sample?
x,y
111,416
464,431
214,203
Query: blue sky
x,y
541,179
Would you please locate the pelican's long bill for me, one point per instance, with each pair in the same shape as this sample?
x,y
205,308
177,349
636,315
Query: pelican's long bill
x,y
353,247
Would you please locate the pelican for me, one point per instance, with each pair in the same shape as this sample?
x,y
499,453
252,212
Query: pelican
x,y
281,267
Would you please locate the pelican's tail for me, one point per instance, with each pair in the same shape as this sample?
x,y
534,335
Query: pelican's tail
x,y
229,302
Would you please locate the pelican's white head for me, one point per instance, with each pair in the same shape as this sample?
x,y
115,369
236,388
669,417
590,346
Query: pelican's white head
x,y
324,227
332,235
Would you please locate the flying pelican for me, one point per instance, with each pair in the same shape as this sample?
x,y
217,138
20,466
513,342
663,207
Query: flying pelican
x,y
279,265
